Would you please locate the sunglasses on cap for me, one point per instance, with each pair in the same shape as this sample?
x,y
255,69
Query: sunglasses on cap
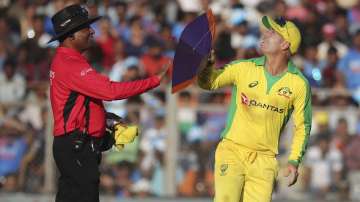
x,y
282,23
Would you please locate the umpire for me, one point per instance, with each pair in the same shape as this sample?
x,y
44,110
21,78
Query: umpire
x,y
76,94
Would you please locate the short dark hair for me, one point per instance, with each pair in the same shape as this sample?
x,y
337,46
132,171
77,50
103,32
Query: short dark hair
x,y
357,33
185,94
62,39
332,50
121,3
323,137
39,17
10,61
342,120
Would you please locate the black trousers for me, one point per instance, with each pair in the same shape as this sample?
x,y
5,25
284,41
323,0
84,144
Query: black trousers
x,y
79,170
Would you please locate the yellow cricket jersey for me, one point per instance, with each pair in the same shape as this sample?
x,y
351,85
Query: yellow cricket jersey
x,y
262,104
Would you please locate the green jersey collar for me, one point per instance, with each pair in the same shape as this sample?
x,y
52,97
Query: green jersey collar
x,y
260,61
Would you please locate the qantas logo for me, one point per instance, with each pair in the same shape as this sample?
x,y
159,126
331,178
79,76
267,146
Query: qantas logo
x,y
254,103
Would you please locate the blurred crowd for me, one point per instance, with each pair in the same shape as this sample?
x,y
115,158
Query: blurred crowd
x,y
136,38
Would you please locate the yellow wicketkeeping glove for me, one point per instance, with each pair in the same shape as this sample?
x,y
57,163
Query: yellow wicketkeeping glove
x,y
124,134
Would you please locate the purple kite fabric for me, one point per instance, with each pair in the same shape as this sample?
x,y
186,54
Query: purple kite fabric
x,y
194,46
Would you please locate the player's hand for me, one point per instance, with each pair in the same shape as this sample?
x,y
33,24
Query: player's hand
x,y
211,58
114,117
164,70
292,174
207,63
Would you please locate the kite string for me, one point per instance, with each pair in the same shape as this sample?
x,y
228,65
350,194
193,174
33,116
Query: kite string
x,y
200,40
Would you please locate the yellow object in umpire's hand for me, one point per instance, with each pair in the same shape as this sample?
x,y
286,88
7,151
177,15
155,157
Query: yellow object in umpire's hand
x,y
124,134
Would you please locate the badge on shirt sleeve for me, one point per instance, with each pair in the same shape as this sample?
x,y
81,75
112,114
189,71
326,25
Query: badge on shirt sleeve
x,y
85,71
223,169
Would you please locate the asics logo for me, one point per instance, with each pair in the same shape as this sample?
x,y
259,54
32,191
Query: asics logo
x,y
253,84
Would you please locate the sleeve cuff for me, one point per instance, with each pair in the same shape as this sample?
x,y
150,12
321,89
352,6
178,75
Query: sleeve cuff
x,y
294,163
156,80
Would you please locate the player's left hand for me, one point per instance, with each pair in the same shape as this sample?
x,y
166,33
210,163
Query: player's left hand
x,y
292,174
211,58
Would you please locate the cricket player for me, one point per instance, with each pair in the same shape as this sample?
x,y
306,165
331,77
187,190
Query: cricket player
x,y
266,92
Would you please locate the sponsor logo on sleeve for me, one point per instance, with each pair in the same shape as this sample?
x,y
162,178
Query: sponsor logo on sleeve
x,y
85,71
223,169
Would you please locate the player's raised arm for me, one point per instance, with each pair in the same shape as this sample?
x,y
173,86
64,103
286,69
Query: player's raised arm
x,y
211,79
